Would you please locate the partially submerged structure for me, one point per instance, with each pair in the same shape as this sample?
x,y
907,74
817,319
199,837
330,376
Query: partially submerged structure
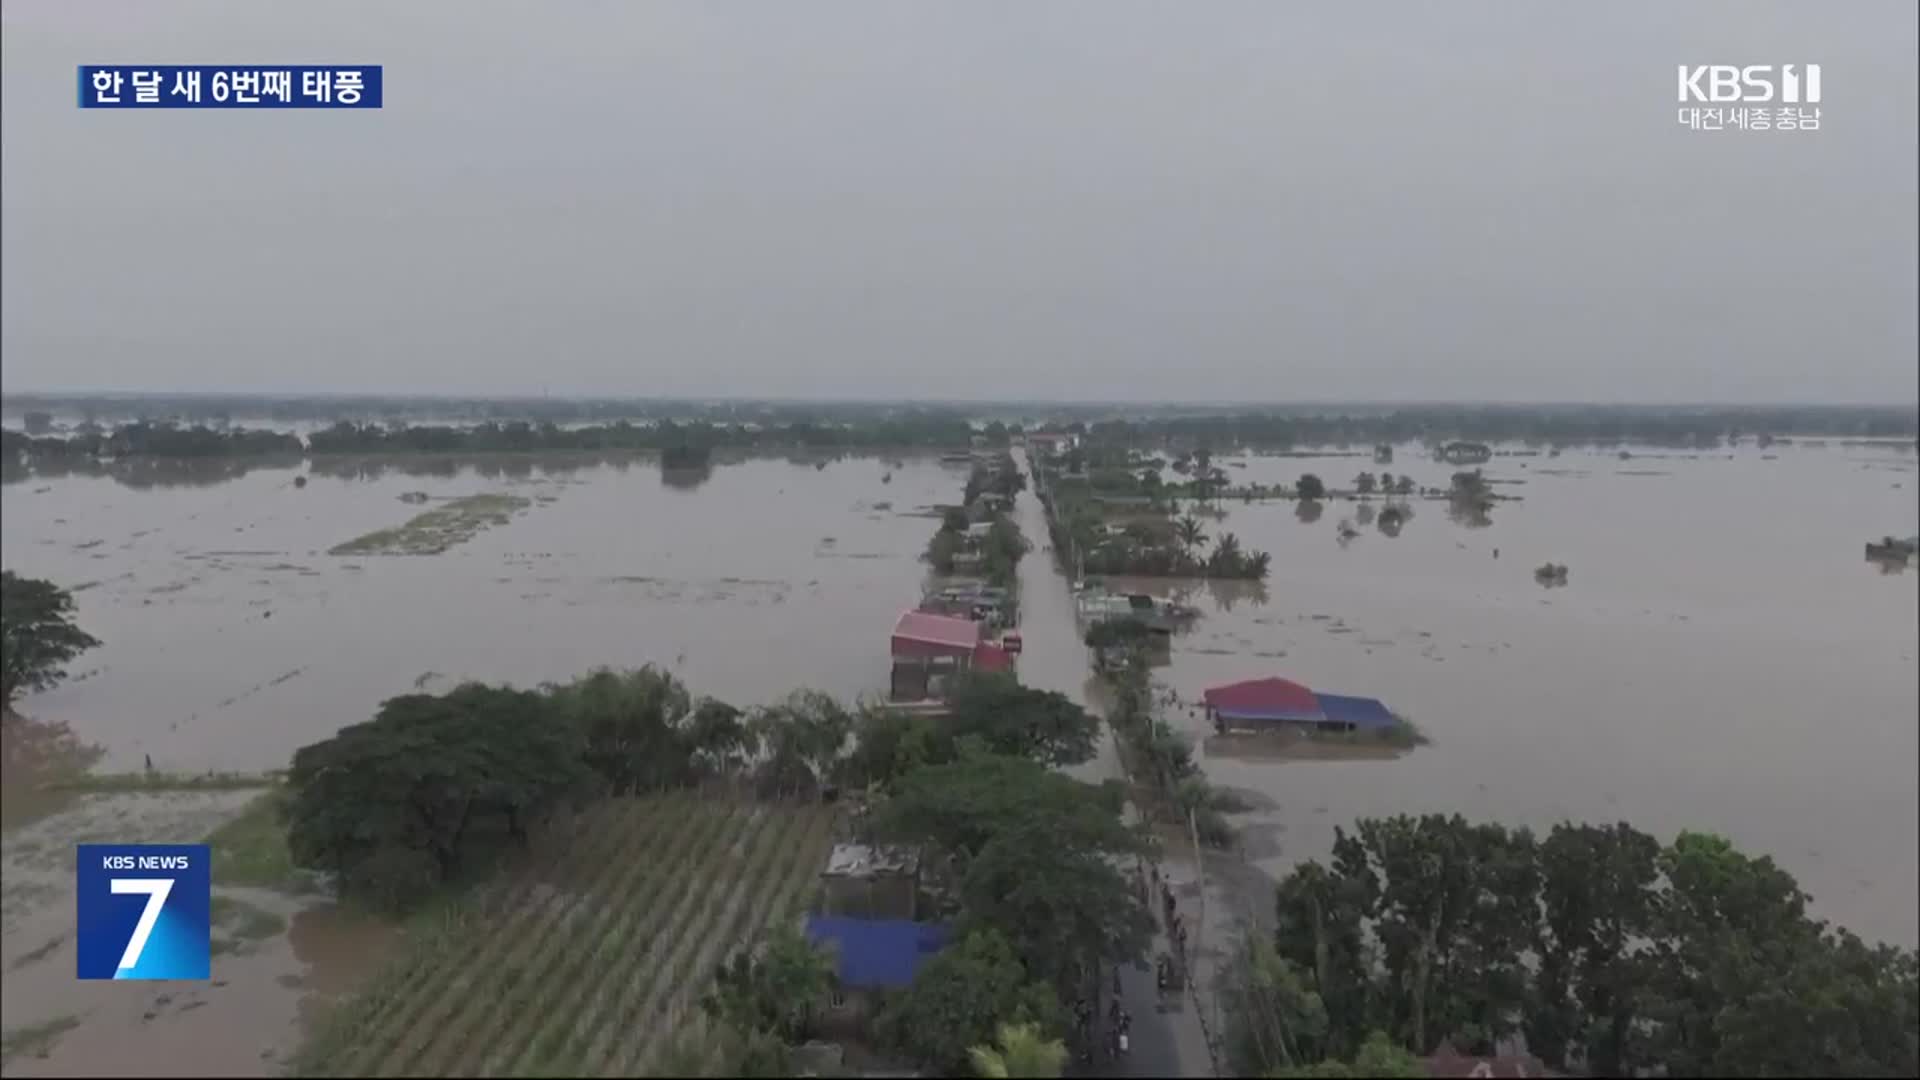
x,y
1890,549
1276,704
1466,453
929,649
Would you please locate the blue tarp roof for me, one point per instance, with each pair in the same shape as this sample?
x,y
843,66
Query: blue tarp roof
x,y
877,952
1364,713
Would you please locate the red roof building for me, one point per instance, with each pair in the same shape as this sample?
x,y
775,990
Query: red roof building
x,y
922,634
1264,700
929,649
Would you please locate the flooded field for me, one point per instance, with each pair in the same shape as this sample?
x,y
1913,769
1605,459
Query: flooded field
x,y
232,636
1720,658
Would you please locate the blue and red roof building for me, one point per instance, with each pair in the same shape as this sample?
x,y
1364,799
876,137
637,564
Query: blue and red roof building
x,y
1277,702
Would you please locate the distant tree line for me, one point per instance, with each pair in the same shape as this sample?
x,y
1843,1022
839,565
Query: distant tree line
x,y
165,440
1600,425
1611,954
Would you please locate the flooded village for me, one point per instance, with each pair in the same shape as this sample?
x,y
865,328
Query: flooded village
x,y
1718,660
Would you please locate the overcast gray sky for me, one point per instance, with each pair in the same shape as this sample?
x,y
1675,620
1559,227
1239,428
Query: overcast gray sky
x,y
1140,201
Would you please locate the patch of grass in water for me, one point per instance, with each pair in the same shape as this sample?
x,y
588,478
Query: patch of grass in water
x,y
438,529
251,849
240,922
36,1040
126,783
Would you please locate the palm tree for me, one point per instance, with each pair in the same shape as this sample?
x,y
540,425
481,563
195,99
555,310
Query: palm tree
x,y
1189,532
1257,565
1022,1051
1226,555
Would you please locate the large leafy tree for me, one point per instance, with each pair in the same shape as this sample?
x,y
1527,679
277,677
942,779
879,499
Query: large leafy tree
x,y
1616,954
1451,905
1036,854
404,802
960,998
37,635
1598,904
803,742
632,725
1013,719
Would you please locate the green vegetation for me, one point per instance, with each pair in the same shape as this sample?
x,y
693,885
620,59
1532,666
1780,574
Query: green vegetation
x,y
434,791
1019,1050
774,988
36,1040
438,529
586,959
1034,855
960,999
1537,425
1610,953
125,783
994,553
251,848
1109,514
1378,1057
1310,487
37,635
1160,759
238,924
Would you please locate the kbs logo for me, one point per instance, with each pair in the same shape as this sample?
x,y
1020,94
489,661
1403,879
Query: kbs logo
x,y
145,911
1754,84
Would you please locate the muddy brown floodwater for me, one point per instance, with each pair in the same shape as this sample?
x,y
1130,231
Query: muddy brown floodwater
x,y
232,637
1721,657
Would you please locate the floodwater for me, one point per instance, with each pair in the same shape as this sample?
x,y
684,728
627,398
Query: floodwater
x,y
242,1022
1721,657
232,638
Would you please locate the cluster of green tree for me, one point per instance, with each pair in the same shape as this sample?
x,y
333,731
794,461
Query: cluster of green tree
x,y
167,440
144,440
435,786
1534,425
1000,477
38,637
1152,543
1610,954
1385,483
765,1000
1027,853
1043,906
929,430
1001,548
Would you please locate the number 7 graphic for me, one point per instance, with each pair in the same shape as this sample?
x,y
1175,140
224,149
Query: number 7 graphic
x,y
156,890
